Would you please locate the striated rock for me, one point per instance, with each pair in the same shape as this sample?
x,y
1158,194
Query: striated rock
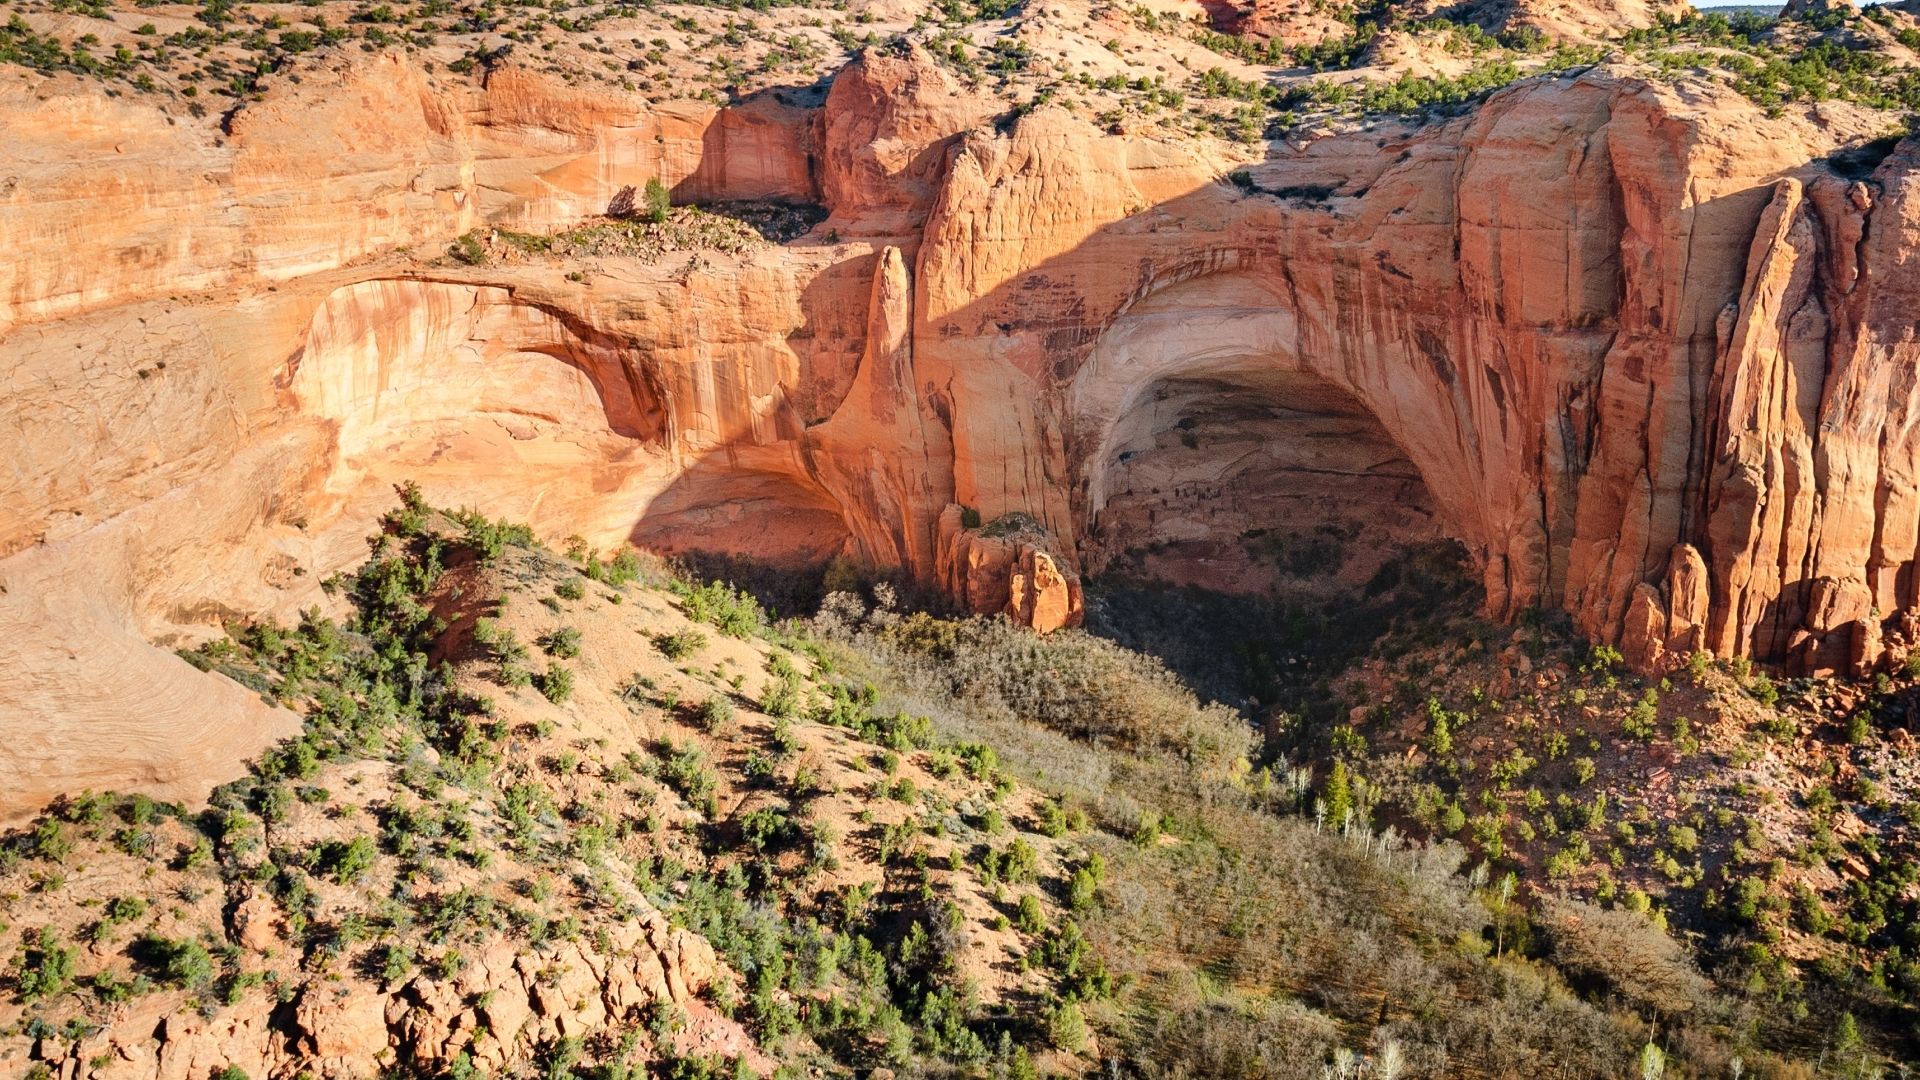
x,y
887,448
1644,351
1040,594
886,128
256,924
1666,625
1592,20
1643,635
1313,23
1290,22
1559,20
357,158
1798,8
341,1028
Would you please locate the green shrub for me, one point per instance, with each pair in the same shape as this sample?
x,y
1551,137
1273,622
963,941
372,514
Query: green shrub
x,y
556,684
716,713
1336,795
185,964
1808,912
396,963
1018,865
1068,1027
659,201
1057,819
1859,727
1083,889
718,604
765,826
681,644
1820,799
488,539
782,700
50,841
686,771
1642,722
562,642
467,248
1698,664
112,991
348,861
1028,917
44,968
783,740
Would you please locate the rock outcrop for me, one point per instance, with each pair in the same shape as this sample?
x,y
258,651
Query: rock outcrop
x,y
504,1003
1310,23
1644,350
1005,567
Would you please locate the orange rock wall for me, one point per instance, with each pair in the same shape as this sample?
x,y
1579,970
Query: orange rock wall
x,y
1651,355
122,202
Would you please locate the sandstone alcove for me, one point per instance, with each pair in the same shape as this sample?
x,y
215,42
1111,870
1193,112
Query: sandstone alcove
x,y
483,399
1246,481
1224,461
763,511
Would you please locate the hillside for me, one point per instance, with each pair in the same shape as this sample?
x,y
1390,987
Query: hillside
x,y
546,812
1003,299
553,814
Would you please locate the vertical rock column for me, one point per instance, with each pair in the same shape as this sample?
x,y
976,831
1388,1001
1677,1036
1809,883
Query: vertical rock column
x,y
885,455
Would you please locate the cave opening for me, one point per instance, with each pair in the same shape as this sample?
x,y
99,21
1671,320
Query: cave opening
x,y
1256,526
1255,481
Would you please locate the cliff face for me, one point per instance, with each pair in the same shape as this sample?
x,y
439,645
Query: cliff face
x,y
1646,353
1617,334
356,159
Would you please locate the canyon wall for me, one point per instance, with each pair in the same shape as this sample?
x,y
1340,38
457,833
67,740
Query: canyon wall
x,y
1646,352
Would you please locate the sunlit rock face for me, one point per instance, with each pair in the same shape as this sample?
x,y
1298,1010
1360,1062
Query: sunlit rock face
x,y
1647,357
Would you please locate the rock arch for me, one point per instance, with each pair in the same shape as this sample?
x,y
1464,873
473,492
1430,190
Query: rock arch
x,y
1211,449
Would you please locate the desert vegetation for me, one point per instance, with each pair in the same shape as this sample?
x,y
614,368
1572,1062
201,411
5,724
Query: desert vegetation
x,y
433,812
926,843
1185,75
1757,818
1208,836
643,234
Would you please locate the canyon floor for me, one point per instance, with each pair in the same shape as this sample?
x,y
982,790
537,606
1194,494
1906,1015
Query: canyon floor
x,y
1282,539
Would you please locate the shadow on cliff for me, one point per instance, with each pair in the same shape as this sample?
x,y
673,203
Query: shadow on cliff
x,y
762,517
1385,324
753,514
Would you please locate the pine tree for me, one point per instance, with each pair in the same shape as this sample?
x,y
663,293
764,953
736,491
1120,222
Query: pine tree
x,y
658,201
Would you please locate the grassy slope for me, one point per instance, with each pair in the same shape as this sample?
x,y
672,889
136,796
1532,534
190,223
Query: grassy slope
x,y
529,750
935,846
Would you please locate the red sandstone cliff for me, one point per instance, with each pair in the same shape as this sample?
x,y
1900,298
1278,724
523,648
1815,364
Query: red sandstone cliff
x,y
1645,351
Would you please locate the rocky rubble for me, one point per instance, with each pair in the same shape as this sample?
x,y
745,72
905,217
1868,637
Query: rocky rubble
x,y
503,1004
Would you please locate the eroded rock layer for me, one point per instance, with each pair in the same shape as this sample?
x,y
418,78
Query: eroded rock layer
x,y
1647,354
